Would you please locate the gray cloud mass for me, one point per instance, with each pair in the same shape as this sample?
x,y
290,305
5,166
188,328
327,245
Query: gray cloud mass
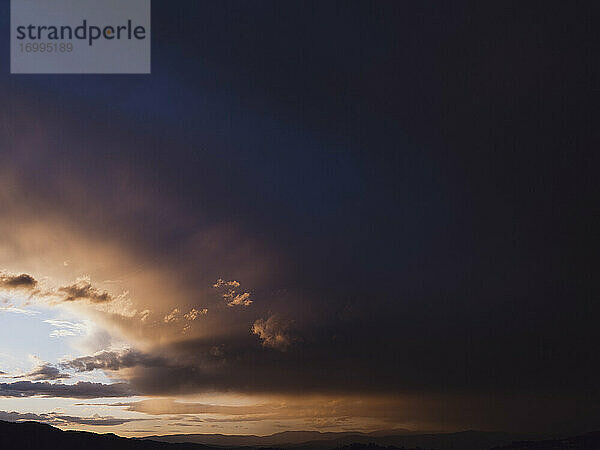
x,y
80,389
44,372
112,360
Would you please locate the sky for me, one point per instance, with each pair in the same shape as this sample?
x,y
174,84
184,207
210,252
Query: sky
x,y
310,216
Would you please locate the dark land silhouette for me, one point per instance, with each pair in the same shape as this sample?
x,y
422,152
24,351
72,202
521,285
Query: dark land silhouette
x,y
589,441
309,440
40,436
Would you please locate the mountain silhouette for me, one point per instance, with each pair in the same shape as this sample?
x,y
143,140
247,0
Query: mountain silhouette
x,y
39,436
299,440
589,441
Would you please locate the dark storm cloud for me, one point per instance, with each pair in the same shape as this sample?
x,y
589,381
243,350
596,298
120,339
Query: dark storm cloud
x,y
61,419
23,281
80,389
46,372
426,171
393,365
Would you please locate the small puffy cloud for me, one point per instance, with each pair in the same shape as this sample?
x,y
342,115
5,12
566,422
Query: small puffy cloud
x,y
83,289
275,332
145,315
229,291
173,316
44,372
240,300
12,281
228,284
195,313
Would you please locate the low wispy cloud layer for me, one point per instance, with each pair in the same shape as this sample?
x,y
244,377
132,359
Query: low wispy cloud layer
x,y
65,328
61,419
9,307
80,389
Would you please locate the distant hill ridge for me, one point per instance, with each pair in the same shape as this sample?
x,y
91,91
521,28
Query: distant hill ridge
x,y
589,441
39,436
299,440
287,438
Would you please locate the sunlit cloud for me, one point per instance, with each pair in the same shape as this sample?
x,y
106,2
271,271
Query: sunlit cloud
x,y
275,332
173,316
228,290
195,313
